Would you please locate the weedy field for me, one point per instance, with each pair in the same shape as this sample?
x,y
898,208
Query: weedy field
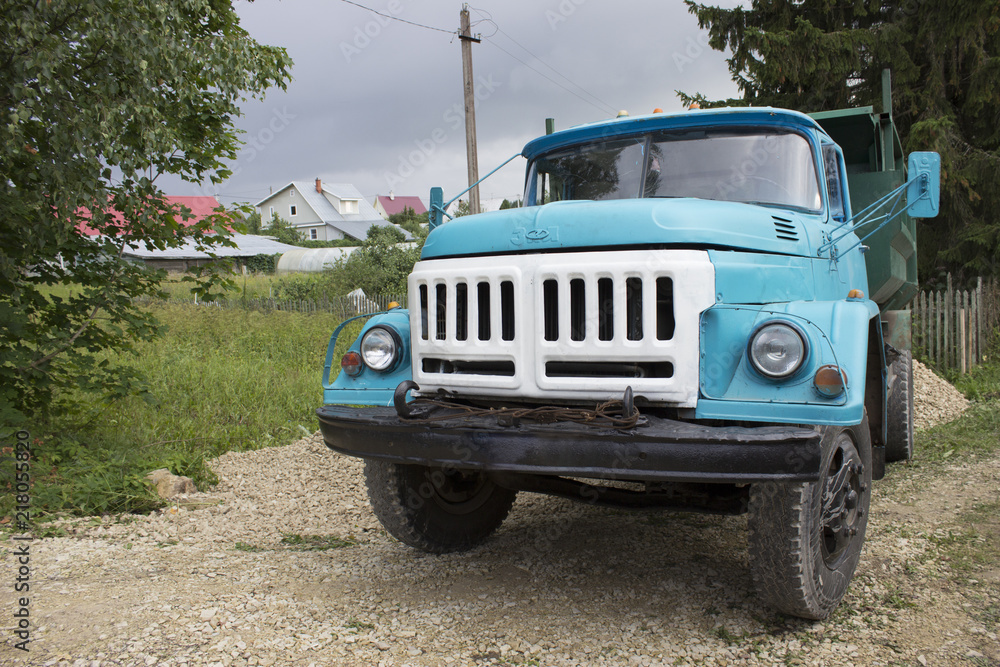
x,y
217,381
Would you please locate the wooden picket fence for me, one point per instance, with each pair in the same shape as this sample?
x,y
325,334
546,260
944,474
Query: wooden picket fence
x,y
341,307
954,328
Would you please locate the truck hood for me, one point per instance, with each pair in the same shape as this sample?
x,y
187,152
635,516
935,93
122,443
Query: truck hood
x,y
625,222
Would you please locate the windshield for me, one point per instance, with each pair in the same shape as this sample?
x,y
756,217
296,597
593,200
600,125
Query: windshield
x,y
768,167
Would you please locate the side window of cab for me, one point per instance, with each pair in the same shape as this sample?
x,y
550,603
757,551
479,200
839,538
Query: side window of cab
x,y
835,185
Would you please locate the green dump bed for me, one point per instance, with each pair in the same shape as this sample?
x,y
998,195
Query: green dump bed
x,y
875,167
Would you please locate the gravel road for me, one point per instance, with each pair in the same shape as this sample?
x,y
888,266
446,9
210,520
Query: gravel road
x,y
283,563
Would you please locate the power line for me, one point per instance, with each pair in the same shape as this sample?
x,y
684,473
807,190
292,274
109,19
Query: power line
x,y
396,18
488,18
545,76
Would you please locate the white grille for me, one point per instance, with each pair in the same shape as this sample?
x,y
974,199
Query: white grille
x,y
575,326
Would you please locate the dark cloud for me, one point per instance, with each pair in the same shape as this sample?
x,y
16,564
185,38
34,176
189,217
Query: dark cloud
x,y
378,103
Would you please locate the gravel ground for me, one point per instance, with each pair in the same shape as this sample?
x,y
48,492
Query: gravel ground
x,y
216,580
938,402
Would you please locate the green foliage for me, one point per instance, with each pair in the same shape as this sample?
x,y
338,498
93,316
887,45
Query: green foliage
x,y
380,265
816,55
253,223
221,380
302,287
506,203
282,231
261,263
463,209
411,221
99,99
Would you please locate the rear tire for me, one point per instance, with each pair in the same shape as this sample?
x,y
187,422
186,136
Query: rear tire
x,y
899,409
435,510
805,538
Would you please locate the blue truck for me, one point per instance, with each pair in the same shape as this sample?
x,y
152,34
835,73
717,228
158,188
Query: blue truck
x,y
696,311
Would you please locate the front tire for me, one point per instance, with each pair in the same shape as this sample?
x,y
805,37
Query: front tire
x,y
899,409
435,510
805,538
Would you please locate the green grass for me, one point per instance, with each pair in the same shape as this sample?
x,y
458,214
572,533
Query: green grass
x,y
218,380
981,383
976,433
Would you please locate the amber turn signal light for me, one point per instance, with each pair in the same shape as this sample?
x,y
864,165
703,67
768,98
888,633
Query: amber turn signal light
x,y
351,363
830,381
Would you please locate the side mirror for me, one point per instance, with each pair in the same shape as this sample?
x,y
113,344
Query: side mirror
x,y
923,194
437,208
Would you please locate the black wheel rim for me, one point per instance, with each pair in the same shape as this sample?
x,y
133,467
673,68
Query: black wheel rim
x,y
842,514
459,492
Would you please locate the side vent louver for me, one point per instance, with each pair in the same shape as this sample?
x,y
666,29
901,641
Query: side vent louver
x,y
784,229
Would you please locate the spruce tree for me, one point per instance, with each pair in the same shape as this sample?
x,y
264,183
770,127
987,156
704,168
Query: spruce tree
x,y
945,60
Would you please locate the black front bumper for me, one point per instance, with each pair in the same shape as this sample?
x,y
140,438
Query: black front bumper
x,y
658,450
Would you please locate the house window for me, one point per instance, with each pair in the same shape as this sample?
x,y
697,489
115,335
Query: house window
x,y
292,211
313,235
350,206
291,193
272,212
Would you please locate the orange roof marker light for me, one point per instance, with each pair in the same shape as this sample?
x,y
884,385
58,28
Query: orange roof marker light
x,y
856,294
657,110
392,304
693,106
623,114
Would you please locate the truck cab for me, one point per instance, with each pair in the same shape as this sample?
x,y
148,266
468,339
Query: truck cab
x,y
682,304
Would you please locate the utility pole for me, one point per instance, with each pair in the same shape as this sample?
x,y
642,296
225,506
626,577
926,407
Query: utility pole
x,y
470,107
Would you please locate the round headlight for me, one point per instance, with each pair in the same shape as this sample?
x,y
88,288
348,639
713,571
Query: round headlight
x,y
777,350
379,349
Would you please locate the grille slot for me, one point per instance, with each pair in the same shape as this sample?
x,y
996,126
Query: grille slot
x,y
454,367
633,308
577,309
462,311
550,309
423,312
605,309
484,310
784,229
609,369
665,322
441,310
507,310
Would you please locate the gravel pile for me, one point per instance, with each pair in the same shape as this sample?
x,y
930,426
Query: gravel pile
x,y
935,400
283,563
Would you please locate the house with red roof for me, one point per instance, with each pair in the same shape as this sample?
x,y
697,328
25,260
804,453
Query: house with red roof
x,y
392,204
200,208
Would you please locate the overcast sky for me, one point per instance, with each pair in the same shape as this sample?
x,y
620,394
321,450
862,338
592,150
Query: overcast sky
x,y
378,102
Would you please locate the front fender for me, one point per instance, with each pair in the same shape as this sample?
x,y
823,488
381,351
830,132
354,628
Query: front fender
x,y
836,333
368,387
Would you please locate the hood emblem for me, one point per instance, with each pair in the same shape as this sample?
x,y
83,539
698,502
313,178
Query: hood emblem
x,y
521,235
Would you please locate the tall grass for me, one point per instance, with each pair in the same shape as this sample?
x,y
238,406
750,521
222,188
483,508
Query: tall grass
x,y
218,380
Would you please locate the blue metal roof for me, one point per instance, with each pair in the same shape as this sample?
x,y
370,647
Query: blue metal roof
x,y
616,127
